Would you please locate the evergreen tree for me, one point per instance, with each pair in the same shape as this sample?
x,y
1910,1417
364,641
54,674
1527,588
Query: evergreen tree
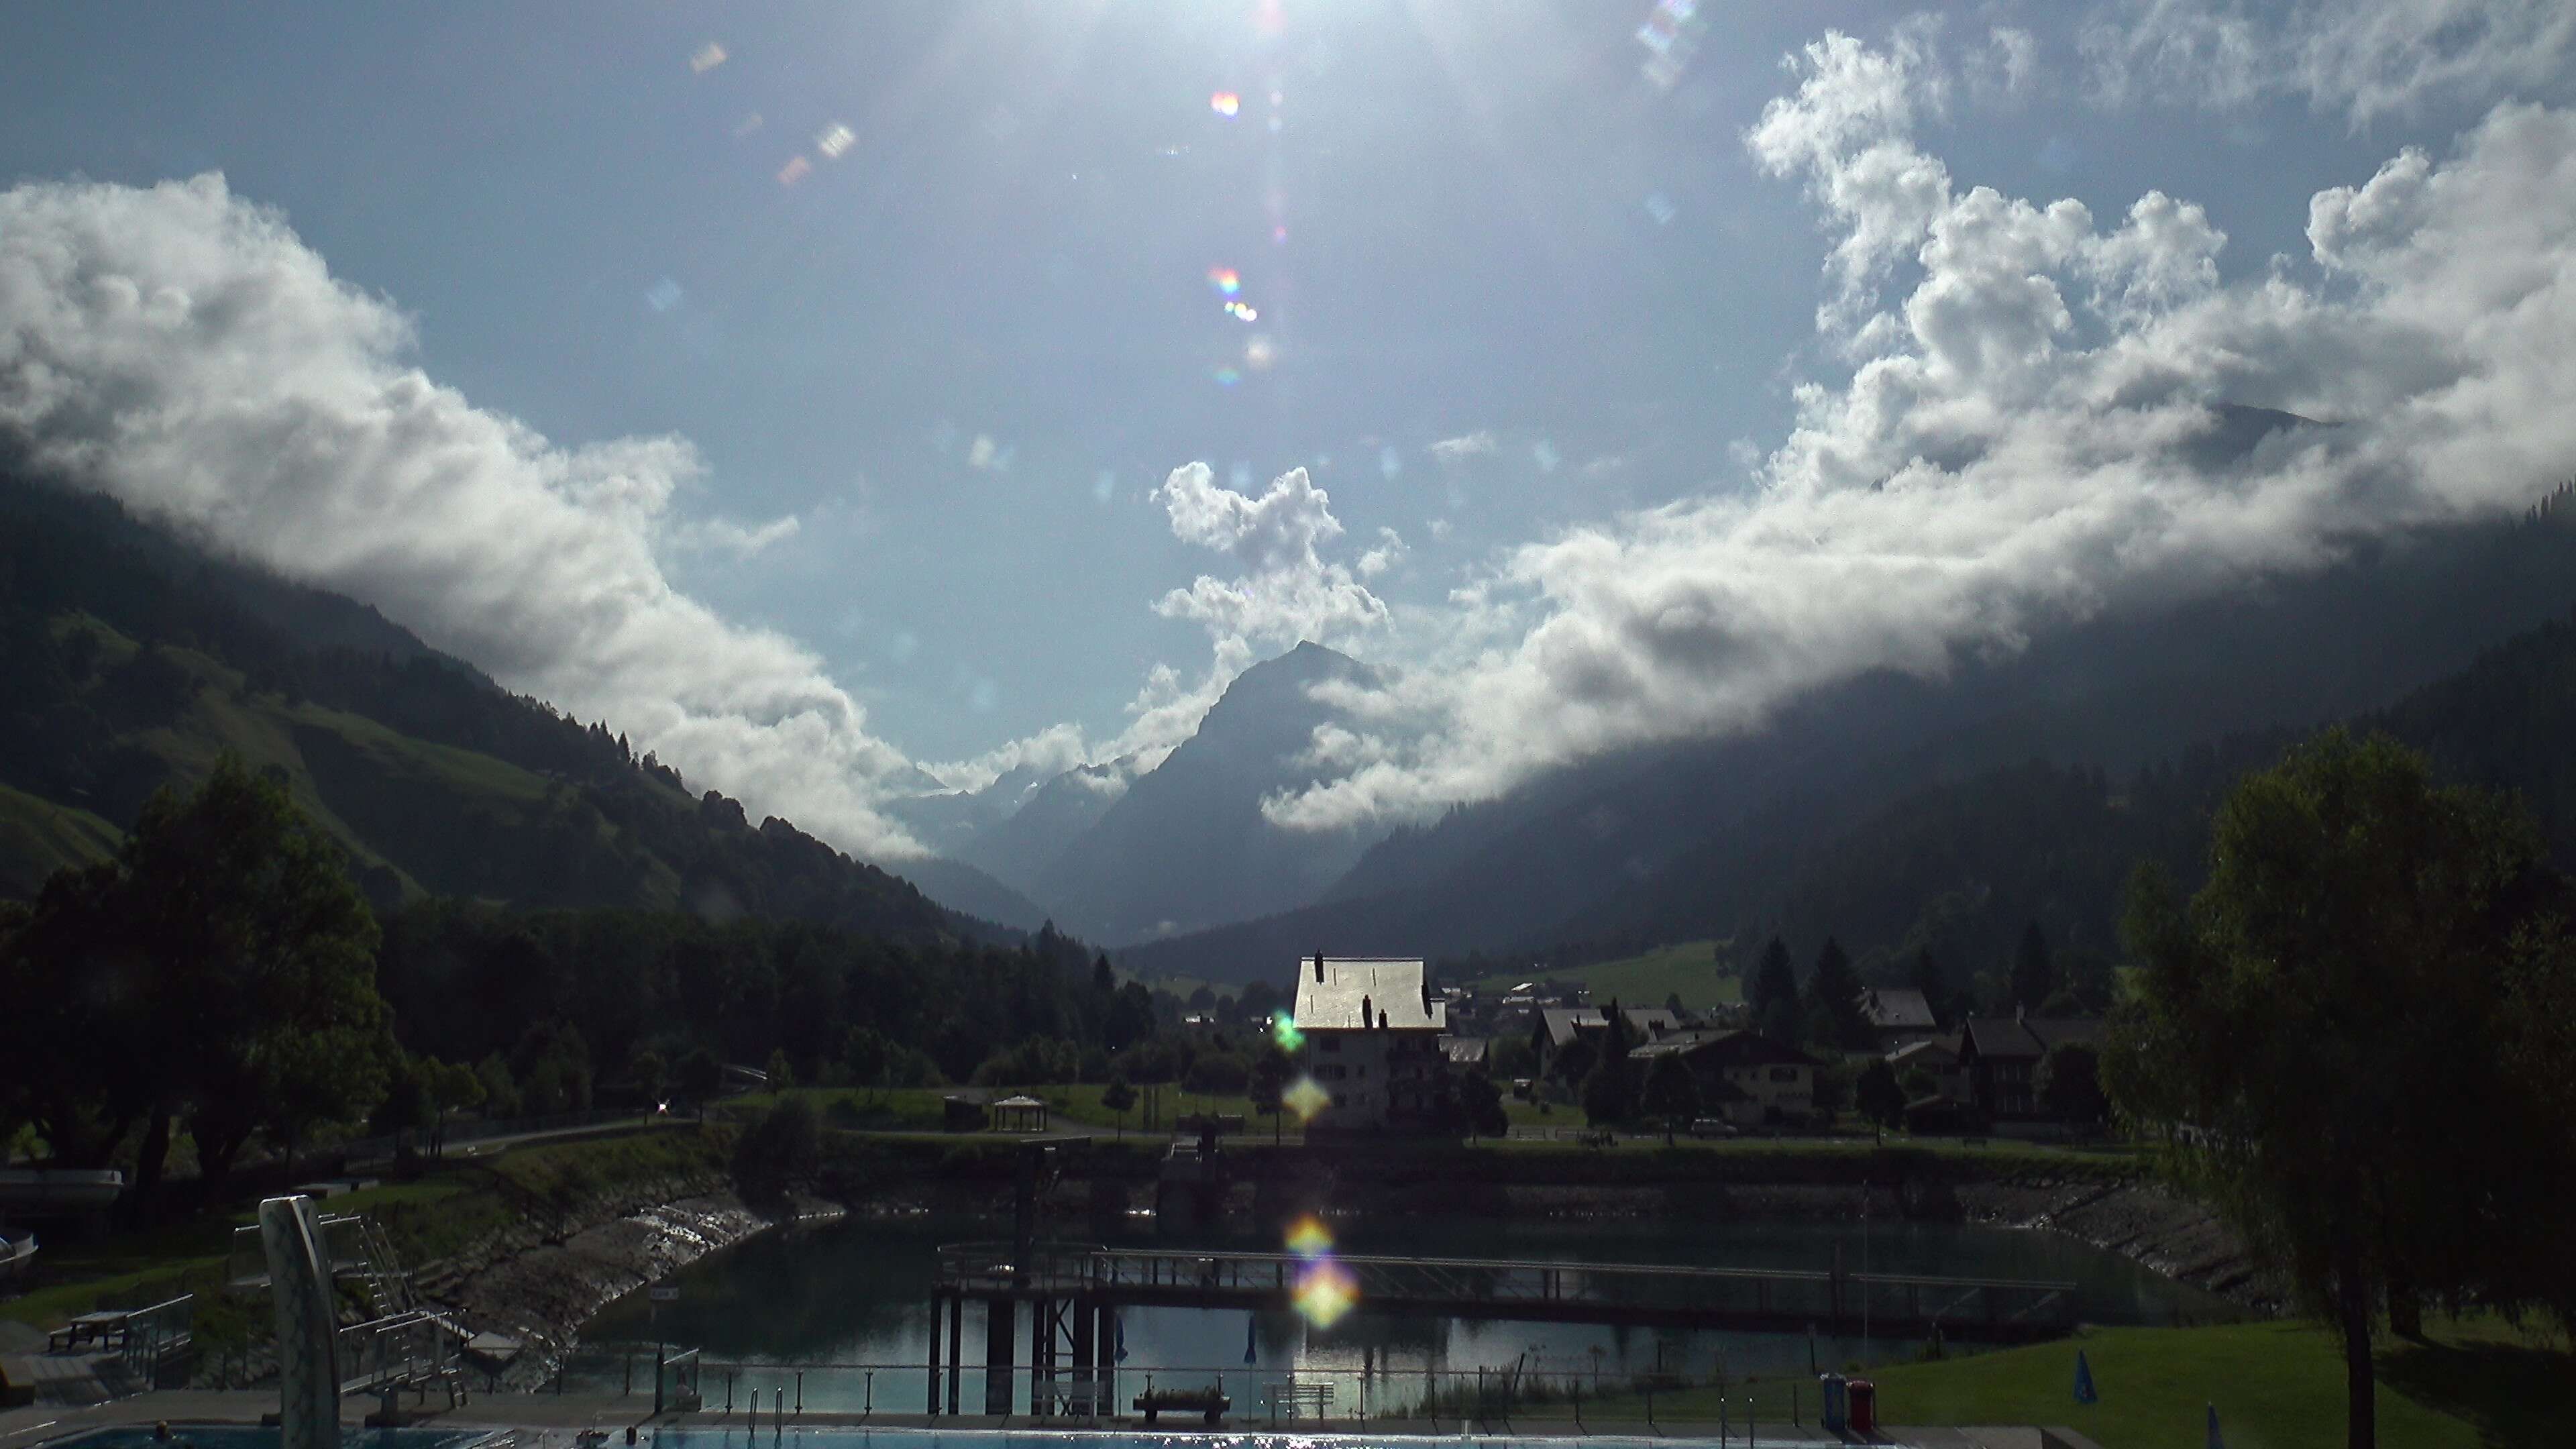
x,y
1926,976
1833,995
1878,1095
1671,1093
2033,976
1774,998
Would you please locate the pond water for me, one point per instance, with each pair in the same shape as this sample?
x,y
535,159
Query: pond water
x,y
856,1295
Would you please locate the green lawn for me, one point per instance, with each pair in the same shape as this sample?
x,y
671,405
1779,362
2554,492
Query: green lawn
x,y
918,1109
1687,969
2276,1386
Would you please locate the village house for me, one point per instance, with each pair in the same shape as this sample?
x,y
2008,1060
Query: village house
x,y
1372,1041
1898,1014
1744,1076
2000,1056
1557,1027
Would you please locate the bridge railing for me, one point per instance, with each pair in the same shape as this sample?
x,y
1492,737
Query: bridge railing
x,y
1557,1398
1505,1283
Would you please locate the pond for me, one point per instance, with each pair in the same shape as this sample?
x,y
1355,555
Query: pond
x,y
850,1302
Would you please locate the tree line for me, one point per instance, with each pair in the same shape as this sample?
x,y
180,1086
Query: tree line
x,y
221,979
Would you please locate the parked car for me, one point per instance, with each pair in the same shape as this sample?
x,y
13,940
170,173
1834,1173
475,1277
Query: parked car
x,y
1713,1127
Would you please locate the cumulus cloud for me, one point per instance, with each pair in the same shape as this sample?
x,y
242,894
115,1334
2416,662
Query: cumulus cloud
x,y
1287,591
2019,443
2364,58
1459,449
182,349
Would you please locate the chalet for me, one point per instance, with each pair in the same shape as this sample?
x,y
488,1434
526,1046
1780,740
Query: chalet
x,y
2000,1057
1898,1014
1937,1058
1557,1027
1744,1076
1372,1041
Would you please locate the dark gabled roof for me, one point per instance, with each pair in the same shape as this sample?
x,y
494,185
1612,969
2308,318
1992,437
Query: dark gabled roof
x,y
1562,1022
2029,1036
1929,1050
1466,1051
1728,1049
2001,1036
1896,1008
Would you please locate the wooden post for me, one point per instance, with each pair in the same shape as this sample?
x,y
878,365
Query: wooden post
x,y
933,1407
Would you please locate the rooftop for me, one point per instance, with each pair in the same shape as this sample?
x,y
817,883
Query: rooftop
x,y
1348,993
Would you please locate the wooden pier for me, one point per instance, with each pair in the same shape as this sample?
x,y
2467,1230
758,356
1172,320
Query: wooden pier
x,y
1076,1289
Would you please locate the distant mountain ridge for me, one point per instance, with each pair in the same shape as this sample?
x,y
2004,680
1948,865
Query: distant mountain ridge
x,y
135,657
1655,844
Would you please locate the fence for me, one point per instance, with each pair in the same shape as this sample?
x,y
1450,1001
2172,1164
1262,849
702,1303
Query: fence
x,y
1519,1399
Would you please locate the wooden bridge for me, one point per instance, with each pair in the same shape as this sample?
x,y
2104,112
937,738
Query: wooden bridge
x,y
1075,1290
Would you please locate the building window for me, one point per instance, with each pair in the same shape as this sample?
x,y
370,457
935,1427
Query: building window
x,y
1784,1074
1329,1043
1340,1101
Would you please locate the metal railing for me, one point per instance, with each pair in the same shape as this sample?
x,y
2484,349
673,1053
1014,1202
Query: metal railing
x,y
1520,1398
2010,1307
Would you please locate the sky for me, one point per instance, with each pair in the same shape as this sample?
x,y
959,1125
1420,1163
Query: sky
x,y
842,398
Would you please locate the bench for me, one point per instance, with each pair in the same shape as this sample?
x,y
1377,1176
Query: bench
x,y
1211,1402
1298,1401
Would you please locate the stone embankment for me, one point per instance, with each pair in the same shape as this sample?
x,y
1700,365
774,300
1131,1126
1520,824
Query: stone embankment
x,y
539,1279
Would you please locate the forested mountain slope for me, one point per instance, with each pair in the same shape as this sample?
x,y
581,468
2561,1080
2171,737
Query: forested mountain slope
x,y
135,660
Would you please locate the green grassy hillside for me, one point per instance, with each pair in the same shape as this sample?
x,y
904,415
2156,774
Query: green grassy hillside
x,y
1687,969
136,662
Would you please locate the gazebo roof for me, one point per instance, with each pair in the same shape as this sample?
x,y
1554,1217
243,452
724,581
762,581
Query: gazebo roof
x,y
1019,1102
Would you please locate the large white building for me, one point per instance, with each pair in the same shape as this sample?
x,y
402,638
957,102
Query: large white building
x,y
1372,1041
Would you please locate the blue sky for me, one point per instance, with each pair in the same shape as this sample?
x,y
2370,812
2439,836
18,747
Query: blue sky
x,y
1513,294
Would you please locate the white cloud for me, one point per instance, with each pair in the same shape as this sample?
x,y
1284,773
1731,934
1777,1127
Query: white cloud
x,y
1286,591
2014,449
1459,449
723,535
184,350
2364,58
1390,551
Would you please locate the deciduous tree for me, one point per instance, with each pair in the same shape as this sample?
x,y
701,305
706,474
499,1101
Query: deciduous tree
x,y
2320,1027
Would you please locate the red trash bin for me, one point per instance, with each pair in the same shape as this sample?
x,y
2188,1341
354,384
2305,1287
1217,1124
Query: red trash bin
x,y
1863,1399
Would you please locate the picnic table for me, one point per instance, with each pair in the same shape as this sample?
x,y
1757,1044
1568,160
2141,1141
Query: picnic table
x,y
106,1327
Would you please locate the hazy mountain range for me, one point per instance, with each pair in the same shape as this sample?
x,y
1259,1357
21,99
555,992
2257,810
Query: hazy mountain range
x,y
1894,810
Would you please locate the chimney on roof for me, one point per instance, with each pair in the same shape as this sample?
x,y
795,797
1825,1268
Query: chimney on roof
x,y
1381,1021
2019,1012
1319,968
1364,1013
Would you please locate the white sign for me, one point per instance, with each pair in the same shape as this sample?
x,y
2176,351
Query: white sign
x,y
665,1293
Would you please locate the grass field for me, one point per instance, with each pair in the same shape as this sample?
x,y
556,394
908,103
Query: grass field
x,y
2275,1385
1687,969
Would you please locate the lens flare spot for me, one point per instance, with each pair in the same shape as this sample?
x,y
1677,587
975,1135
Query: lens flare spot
x,y
1283,1027
1306,1099
835,139
1226,103
1309,1238
1326,1292
794,171
1227,377
1226,280
707,58
1260,352
1242,311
